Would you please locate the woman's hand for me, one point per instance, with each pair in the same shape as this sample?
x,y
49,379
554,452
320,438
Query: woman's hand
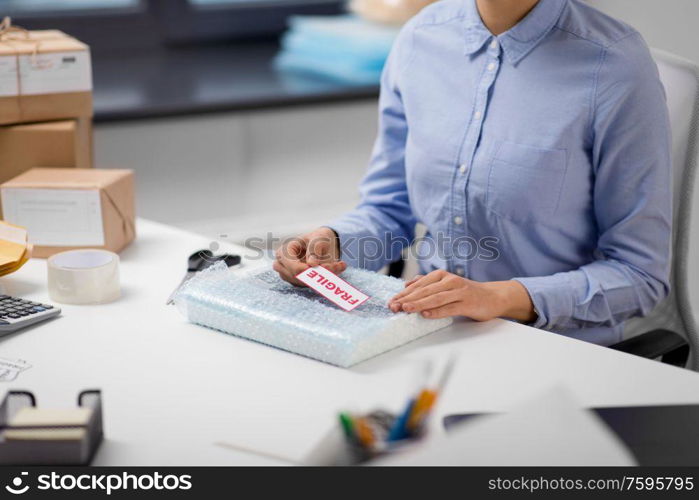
x,y
441,294
317,248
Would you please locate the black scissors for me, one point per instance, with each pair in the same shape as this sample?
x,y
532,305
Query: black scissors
x,y
201,260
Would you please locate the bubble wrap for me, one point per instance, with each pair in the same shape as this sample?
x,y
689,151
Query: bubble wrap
x,y
258,305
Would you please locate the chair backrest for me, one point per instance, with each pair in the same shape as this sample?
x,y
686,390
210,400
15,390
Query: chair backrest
x,y
681,80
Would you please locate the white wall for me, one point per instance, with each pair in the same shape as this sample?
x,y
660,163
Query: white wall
x,y
671,25
244,174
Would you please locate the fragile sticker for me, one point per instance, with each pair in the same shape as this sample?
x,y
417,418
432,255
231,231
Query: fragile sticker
x,y
332,287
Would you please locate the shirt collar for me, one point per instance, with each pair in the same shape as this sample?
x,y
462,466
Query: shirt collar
x,y
519,40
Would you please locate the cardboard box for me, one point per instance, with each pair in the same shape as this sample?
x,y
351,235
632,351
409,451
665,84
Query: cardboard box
x,y
68,208
66,143
44,75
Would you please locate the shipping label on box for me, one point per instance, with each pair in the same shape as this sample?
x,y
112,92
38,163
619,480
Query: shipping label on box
x,y
56,217
55,72
9,82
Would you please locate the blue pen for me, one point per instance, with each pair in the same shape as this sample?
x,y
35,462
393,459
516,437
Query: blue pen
x,y
398,431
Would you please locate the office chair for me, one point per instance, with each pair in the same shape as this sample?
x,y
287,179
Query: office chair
x,y
669,332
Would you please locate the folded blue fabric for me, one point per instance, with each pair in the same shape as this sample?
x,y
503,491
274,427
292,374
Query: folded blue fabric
x,y
343,47
344,71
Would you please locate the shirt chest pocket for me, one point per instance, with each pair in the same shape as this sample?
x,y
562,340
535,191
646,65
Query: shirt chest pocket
x,y
525,182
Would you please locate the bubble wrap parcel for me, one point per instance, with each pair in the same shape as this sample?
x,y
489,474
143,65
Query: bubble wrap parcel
x,y
258,305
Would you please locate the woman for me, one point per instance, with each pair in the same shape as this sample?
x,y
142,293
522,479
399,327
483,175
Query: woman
x,y
537,125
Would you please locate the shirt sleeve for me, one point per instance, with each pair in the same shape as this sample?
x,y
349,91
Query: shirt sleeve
x,y
377,230
632,201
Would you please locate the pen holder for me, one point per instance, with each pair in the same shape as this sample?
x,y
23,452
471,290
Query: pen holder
x,y
49,451
335,449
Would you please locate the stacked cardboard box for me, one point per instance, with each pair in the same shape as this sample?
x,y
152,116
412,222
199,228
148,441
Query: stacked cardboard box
x,y
44,75
45,101
65,209
63,143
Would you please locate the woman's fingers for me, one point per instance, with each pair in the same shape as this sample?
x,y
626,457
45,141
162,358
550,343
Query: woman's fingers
x,y
417,277
425,287
295,249
286,274
432,301
425,291
318,248
445,311
294,267
292,253
337,267
291,261
321,250
433,277
393,305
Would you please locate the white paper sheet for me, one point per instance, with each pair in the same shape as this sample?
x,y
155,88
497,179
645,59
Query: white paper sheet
x,y
10,368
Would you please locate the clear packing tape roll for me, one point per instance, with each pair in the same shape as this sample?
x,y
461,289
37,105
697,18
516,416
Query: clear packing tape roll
x,y
258,305
84,277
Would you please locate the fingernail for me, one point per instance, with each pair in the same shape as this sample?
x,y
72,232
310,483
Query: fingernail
x,y
426,314
408,307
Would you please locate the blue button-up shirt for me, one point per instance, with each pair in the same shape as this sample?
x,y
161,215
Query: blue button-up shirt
x,y
541,155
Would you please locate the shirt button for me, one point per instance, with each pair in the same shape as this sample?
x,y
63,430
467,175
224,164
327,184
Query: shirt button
x,y
458,220
491,66
494,44
462,168
477,115
459,270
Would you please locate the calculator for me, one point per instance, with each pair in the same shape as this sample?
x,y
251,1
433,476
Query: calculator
x,y
16,313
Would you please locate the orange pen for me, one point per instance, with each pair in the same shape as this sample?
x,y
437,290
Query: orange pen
x,y
364,432
423,404
427,397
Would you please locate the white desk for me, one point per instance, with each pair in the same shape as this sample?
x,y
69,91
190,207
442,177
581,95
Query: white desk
x,y
172,389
